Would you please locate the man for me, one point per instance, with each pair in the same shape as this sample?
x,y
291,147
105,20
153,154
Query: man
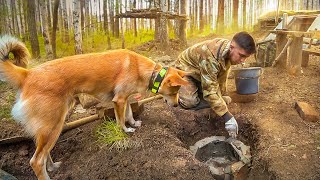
x,y
209,64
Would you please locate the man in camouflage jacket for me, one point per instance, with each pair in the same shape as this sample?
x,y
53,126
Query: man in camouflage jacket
x,y
209,64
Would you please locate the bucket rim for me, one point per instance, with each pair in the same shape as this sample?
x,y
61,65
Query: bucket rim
x,y
248,68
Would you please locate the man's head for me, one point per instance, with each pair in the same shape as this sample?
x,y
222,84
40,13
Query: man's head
x,y
241,47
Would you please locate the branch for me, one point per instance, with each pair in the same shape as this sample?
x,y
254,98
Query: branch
x,y
282,52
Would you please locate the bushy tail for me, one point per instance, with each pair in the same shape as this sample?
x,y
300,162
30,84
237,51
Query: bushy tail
x,y
12,69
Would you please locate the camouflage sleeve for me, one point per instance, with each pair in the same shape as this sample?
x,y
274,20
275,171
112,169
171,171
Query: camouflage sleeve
x,y
210,86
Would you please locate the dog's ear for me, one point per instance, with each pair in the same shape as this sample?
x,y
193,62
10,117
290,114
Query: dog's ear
x,y
182,73
177,81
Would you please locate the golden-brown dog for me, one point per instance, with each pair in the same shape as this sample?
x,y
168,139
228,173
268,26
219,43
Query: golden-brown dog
x,y
45,93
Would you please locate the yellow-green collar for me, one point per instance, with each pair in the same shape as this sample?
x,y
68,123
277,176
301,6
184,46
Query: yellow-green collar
x,y
155,81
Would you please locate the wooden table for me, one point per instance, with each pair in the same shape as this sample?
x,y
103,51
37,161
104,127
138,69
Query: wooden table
x,y
292,59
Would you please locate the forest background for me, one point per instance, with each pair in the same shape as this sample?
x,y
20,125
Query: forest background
x,y
58,28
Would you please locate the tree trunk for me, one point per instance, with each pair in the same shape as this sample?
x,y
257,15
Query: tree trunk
x,y
195,14
49,14
163,31
191,16
65,22
116,23
235,11
45,33
54,27
77,27
134,4
244,15
220,23
176,21
201,19
157,23
22,20
183,24
106,24
82,15
210,14
32,27
111,11
87,18
15,27
5,28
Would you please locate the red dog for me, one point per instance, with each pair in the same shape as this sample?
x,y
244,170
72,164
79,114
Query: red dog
x,y
45,93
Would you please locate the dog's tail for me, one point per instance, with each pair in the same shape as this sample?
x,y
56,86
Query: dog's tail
x,y
13,69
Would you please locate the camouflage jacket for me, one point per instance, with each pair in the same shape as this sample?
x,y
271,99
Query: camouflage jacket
x,y
207,63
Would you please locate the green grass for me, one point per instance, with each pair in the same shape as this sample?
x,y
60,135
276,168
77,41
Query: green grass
x,y
5,112
7,102
110,134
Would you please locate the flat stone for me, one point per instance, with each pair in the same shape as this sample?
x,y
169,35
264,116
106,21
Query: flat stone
x,y
242,98
307,112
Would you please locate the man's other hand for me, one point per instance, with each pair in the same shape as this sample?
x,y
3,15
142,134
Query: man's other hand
x,y
232,127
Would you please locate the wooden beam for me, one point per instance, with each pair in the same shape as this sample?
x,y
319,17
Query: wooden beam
x,y
295,56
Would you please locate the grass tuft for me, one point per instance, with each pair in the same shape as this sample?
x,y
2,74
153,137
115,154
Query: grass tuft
x,y
109,133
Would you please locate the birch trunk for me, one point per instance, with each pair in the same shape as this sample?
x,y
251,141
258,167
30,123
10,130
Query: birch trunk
x,y
45,33
77,27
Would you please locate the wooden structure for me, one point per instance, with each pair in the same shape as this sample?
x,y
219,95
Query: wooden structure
x,y
152,13
291,35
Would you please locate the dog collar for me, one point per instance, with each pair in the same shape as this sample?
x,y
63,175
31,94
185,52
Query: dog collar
x,y
154,86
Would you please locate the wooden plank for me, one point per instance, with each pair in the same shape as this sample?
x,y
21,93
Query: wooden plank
x,y
312,51
294,33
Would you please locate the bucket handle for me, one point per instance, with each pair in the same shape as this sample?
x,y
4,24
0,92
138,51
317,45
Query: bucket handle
x,y
261,72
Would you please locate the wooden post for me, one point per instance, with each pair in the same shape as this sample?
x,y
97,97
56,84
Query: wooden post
x,y
305,58
295,55
281,40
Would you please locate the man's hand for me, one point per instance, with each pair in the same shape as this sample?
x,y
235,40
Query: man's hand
x,y
227,99
232,127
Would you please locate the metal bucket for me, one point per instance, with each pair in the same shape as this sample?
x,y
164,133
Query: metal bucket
x,y
247,80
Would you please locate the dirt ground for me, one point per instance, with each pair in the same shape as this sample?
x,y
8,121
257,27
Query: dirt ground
x,y
282,144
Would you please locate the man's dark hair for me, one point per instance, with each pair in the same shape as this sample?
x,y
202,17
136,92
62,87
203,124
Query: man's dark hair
x,y
245,41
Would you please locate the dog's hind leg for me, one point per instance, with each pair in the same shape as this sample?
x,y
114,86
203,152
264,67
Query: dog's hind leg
x,y
52,166
129,117
120,105
46,137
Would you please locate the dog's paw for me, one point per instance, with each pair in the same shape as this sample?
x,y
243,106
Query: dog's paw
x,y
137,123
54,166
129,130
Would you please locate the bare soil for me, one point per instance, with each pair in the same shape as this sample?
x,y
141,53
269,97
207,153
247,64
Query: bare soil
x,y
283,145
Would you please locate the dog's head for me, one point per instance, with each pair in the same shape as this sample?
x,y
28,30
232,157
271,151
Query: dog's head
x,y
171,84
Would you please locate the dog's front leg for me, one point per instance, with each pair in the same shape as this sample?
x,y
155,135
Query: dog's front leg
x,y
129,117
120,110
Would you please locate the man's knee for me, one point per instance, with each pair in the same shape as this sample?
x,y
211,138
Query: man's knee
x,y
188,102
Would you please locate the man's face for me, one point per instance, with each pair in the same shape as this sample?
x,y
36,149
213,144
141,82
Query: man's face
x,y
237,54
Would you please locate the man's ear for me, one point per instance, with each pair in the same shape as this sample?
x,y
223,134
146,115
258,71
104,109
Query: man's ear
x,y
177,81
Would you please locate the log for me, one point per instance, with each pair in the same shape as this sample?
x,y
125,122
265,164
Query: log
x,y
74,124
